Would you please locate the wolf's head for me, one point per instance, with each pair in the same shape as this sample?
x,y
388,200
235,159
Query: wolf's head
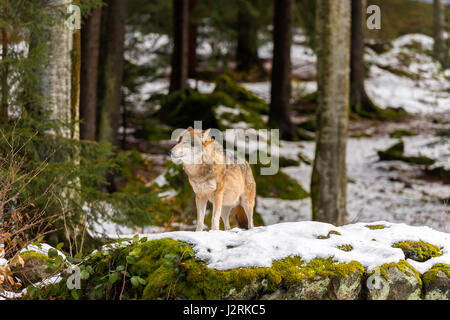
x,y
192,147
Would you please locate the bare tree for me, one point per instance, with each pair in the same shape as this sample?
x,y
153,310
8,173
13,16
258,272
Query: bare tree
x,y
329,177
279,115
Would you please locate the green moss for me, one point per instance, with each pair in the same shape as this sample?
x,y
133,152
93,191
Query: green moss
x,y
418,250
279,185
285,162
395,152
170,271
245,97
403,266
303,135
345,247
398,133
375,226
329,234
309,125
361,135
430,276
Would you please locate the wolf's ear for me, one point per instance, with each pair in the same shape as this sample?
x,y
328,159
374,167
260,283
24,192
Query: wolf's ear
x,y
189,128
206,135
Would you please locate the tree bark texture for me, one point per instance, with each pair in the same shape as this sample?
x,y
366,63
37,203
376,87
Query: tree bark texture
x,y
279,116
90,46
329,177
179,73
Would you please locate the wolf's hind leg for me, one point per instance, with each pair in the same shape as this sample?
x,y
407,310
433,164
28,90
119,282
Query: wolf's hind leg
x,y
201,210
226,217
248,208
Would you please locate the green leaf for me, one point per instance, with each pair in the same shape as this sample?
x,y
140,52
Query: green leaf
x,y
120,268
136,238
75,294
135,281
131,259
113,278
60,245
52,253
84,275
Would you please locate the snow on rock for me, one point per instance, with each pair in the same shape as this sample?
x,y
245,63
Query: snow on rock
x,y
259,247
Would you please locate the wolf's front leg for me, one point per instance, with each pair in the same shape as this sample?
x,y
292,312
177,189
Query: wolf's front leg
x,y
217,211
201,210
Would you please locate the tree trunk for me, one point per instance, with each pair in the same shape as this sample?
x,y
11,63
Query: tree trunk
x,y
279,116
4,81
438,28
192,47
56,79
360,101
112,75
90,44
329,178
247,40
179,73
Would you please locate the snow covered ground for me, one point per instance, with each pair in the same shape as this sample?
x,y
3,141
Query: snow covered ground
x,y
387,190
261,246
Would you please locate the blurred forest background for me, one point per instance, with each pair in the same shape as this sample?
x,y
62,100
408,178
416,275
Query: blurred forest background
x,y
86,115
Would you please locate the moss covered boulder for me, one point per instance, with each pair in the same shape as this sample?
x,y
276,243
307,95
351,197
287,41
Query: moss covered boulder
x,y
436,282
394,281
297,260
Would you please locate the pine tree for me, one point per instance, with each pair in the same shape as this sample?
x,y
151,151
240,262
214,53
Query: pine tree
x,y
112,71
279,116
438,29
360,101
179,73
329,177
90,44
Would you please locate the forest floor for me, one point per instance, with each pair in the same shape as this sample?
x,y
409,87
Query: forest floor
x,y
403,76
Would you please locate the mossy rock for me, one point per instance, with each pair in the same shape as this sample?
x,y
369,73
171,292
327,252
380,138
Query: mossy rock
x,y
279,185
398,133
376,226
418,250
245,97
331,232
285,162
395,152
37,267
436,282
309,125
394,281
180,108
168,269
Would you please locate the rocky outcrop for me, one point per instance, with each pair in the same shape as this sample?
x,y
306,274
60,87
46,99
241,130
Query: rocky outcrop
x,y
169,269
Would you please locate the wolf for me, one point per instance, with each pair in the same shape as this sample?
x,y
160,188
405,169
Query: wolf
x,y
216,176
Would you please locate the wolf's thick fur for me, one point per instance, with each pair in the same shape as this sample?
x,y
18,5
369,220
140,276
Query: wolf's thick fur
x,y
229,185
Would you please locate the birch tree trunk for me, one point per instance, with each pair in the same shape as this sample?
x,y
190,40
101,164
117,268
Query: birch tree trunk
x,y
280,94
438,29
329,177
56,79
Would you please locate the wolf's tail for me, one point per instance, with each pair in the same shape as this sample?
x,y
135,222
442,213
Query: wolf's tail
x,y
241,216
